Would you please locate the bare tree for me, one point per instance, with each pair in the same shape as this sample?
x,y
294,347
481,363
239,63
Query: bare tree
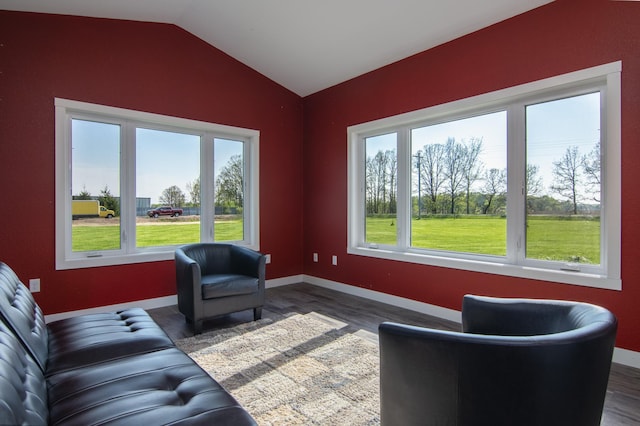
x,y
567,176
495,184
375,182
172,196
392,166
471,168
380,181
534,186
453,170
533,180
432,172
591,167
194,191
370,185
381,184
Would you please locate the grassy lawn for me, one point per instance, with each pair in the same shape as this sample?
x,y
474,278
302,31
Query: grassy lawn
x,y
561,239
548,238
107,237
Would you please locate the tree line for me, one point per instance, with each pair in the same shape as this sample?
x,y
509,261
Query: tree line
x,y
106,198
229,191
450,178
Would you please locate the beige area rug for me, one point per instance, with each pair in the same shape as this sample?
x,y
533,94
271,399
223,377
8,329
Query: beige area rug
x,y
298,370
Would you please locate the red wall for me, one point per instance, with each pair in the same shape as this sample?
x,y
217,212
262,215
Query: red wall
x,y
162,69
156,68
561,37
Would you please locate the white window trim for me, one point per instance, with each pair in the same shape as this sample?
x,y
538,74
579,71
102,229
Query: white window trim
x,y
66,109
608,75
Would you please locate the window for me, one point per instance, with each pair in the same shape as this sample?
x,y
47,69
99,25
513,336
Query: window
x,y
524,182
131,186
458,185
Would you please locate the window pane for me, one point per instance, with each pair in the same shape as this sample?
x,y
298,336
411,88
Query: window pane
x,y
167,188
229,175
95,170
459,185
563,180
381,183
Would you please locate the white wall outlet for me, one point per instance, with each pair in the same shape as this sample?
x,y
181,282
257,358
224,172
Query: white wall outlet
x,y
268,258
34,285
334,260
315,257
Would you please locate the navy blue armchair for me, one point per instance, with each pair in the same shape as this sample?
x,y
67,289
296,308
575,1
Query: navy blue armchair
x,y
214,279
517,362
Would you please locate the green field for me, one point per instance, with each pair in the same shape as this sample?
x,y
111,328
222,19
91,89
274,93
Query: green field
x,y
107,237
571,239
561,238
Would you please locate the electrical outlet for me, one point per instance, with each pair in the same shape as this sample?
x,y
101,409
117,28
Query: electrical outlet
x,y
315,257
34,285
334,260
268,258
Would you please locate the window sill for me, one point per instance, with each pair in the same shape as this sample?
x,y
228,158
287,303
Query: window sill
x,y
113,260
497,268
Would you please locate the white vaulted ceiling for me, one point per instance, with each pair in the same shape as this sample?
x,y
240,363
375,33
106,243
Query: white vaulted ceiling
x,y
305,45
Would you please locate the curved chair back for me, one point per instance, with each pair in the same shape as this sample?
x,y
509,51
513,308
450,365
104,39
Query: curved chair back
x,y
518,362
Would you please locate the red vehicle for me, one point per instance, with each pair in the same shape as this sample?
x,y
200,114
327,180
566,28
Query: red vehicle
x,y
164,211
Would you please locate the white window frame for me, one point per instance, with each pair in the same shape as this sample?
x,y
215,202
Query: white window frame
x,y
605,78
129,120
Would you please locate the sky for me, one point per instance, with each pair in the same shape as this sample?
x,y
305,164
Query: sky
x,y
552,127
166,158
163,159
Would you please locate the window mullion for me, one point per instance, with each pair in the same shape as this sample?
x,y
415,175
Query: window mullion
x,y
516,184
403,215
610,132
356,157
207,201
251,198
128,187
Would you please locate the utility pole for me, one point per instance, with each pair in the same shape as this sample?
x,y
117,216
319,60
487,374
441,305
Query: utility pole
x,y
419,157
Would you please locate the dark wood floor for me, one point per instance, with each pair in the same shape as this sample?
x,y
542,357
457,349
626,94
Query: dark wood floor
x,y
622,405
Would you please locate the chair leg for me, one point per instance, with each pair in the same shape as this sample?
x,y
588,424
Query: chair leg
x,y
197,327
257,313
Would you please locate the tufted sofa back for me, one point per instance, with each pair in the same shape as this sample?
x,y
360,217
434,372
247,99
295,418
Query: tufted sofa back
x,y
22,384
21,312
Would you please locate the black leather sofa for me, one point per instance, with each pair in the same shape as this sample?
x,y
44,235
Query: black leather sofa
x,y
516,362
116,368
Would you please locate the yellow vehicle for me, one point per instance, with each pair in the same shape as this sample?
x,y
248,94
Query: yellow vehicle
x,y
89,208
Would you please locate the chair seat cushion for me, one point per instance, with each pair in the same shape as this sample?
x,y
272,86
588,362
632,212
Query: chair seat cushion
x,y
223,285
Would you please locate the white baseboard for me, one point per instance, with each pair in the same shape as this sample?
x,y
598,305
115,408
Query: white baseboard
x,y
620,355
277,282
158,302
626,357
401,302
